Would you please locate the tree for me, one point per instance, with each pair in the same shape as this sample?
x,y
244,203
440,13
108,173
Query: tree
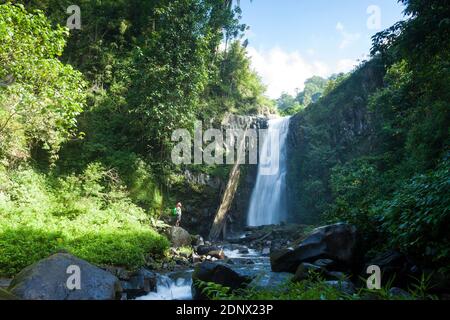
x,y
235,87
314,88
40,97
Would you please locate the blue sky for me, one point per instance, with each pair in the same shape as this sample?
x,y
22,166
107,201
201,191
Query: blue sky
x,y
292,40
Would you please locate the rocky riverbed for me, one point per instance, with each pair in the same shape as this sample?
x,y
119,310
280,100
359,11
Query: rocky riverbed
x,y
259,258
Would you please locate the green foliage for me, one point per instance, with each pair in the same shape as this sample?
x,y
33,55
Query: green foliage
x,y
235,87
288,105
328,133
354,186
315,288
373,150
213,290
87,215
311,289
417,216
40,97
313,91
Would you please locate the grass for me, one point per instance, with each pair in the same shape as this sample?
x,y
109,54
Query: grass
x,y
83,215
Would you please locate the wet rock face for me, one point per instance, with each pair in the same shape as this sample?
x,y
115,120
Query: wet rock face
x,y
271,238
336,242
203,179
339,121
240,122
47,280
201,193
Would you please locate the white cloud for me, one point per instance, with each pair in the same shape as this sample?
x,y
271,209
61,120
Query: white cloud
x,y
311,52
284,71
347,38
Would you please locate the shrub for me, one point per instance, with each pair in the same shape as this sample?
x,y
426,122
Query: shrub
x,y
40,214
418,215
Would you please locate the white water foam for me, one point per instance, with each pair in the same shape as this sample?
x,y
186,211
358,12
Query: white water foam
x,y
268,204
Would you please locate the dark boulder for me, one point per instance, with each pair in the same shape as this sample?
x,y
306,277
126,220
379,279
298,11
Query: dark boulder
x,y
306,270
335,242
197,240
48,279
244,251
326,263
119,272
140,283
218,273
395,266
345,287
179,237
398,293
203,250
336,275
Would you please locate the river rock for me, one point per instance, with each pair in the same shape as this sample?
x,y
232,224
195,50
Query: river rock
x,y
336,242
218,254
47,280
395,266
198,240
345,287
140,283
325,263
218,273
336,275
400,293
205,249
196,258
119,272
305,270
179,237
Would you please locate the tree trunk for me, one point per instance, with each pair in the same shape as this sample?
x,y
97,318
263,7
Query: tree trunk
x,y
230,190
227,200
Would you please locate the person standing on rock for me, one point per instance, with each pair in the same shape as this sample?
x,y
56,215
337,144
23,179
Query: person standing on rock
x,y
178,211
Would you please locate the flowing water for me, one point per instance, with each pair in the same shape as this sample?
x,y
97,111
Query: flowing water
x,y
268,204
173,286
177,285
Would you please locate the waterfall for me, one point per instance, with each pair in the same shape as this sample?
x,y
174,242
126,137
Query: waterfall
x,y
268,203
174,286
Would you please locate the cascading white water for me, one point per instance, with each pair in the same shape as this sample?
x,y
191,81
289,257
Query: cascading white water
x,y
268,204
172,287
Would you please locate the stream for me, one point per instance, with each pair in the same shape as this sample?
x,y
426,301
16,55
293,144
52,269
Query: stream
x,y
177,285
268,206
